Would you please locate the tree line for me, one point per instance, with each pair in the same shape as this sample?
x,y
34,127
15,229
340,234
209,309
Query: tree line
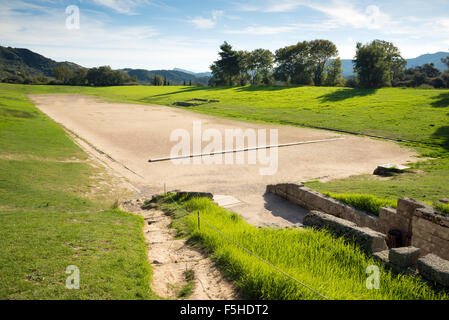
x,y
305,63
99,77
377,64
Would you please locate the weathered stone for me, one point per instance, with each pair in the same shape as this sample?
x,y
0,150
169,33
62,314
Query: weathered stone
x,y
370,241
430,215
404,257
407,207
435,269
444,200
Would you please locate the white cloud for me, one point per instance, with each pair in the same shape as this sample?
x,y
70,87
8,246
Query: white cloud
x,y
262,30
207,23
97,43
344,14
123,6
340,12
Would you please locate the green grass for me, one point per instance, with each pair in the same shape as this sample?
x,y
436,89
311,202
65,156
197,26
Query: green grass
x,y
188,288
419,115
442,208
364,202
54,213
406,113
428,183
330,265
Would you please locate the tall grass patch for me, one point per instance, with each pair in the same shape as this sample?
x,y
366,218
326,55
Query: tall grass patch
x,y
329,265
364,202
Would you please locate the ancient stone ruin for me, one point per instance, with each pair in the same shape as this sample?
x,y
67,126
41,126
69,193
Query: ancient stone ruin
x,y
412,237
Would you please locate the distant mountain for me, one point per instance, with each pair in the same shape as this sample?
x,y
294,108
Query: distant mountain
x,y
26,63
143,76
198,75
23,63
173,76
434,58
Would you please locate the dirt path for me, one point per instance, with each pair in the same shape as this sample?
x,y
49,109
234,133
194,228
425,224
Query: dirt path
x,y
126,136
172,259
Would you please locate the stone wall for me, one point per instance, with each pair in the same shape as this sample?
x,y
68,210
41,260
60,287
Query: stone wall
x,y
430,232
417,223
370,241
313,200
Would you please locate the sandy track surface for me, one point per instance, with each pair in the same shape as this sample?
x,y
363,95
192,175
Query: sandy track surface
x,y
128,135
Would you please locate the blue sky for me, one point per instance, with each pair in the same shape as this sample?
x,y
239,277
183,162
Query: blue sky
x,y
164,34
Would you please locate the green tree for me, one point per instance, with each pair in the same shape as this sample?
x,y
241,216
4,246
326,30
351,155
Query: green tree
x,y
105,76
261,63
79,77
244,64
227,67
63,73
158,80
334,72
320,53
446,61
378,64
294,64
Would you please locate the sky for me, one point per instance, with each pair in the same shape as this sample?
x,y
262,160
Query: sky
x,y
167,34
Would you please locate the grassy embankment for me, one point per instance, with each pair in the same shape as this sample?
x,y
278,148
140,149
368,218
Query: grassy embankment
x,y
329,265
419,115
56,211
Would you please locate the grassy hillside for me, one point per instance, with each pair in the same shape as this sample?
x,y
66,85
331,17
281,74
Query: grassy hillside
x,y
26,63
56,211
329,265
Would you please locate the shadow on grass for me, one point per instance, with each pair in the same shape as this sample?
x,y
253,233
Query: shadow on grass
x,y
441,101
262,88
192,89
442,134
344,94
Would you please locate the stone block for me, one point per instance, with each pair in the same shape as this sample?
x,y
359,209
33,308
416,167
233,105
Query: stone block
x,y
435,269
404,257
430,215
370,241
407,207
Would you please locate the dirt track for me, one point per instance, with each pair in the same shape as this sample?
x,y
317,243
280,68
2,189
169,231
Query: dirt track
x,y
132,134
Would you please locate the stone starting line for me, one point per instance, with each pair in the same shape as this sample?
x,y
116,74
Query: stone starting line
x,y
242,150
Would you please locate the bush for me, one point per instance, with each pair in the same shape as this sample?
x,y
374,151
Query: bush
x,y
364,202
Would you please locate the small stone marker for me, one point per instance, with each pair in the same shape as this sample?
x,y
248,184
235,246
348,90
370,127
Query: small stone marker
x,y
226,201
388,169
404,257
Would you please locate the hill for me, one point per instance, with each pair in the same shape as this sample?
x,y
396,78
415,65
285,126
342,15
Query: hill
x,y
198,75
17,62
434,58
173,76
